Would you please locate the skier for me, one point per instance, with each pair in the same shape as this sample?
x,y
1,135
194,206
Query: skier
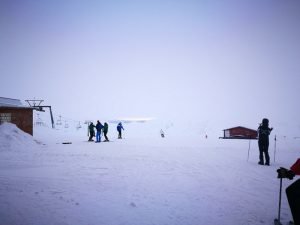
x,y
263,141
91,131
162,134
105,130
119,129
99,127
292,191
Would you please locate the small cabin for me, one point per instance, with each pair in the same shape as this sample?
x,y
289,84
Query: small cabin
x,y
239,133
13,111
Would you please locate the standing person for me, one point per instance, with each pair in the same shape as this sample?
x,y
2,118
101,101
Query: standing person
x,y
91,131
162,134
105,130
119,129
263,142
99,127
292,191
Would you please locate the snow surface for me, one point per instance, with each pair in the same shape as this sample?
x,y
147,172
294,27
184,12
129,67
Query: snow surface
x,y
142,179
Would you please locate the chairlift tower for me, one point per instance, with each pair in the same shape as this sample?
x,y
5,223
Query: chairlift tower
x,y
36,105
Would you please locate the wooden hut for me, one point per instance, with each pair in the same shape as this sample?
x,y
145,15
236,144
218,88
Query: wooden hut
x,y
239,133
12,111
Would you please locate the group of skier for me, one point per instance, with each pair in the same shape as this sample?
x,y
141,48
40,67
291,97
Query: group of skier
x,y
99,128
292,191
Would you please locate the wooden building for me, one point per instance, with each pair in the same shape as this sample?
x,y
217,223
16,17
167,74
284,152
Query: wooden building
x,y
239,133
12,111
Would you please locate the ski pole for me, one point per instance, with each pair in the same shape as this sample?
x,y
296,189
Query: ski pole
x,y
279,206
248,150
275,148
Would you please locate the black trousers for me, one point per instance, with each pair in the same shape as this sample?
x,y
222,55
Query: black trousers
x,y
120,134
293,196
105,136
263,146
92,134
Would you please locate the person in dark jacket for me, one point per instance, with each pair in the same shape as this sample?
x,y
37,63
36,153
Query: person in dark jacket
x,y
292,191
105,130
263,142
162,134
119,129
99,127
91,131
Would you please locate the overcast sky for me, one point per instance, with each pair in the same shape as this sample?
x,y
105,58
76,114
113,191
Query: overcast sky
x,y
234,61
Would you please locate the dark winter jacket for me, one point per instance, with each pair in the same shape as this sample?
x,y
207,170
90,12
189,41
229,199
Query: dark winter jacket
x,y
264,132
99,126
91,127
105,128
120,127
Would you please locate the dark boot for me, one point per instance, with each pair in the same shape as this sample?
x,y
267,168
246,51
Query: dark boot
x,y
267,158
261,158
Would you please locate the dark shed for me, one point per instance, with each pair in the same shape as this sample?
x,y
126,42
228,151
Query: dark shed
x,y
12,111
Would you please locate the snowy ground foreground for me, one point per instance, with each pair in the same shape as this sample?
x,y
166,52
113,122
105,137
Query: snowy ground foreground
x,y
137,180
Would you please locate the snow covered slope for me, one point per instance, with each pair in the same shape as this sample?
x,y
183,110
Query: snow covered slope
x,y
12,138
139,180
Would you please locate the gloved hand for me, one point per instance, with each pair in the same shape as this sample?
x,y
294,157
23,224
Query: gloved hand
x,y
282,172
285,173
290,174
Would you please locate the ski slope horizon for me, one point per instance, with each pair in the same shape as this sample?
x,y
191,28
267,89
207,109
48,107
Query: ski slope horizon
x,y
184,126
142,179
